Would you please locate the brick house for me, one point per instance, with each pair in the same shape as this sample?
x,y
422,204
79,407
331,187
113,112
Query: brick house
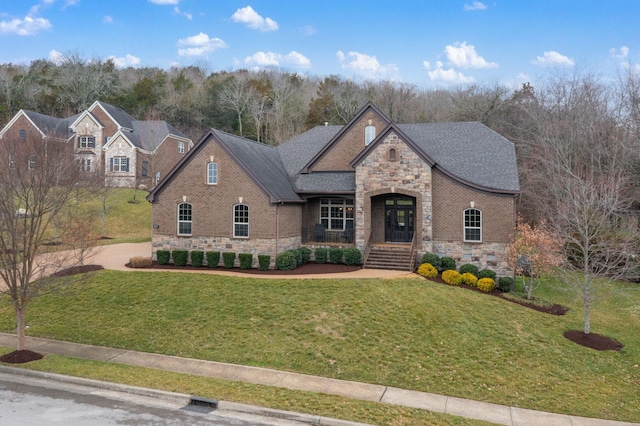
x,y
107,139
446,188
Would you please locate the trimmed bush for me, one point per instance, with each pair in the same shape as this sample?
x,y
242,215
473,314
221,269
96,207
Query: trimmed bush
x,y
506,284
180,257
228,259
432,259
352,256
335,255
213,258
486,284
452,277
246,260
469,279
286,261
305,252
321,255
469,267
163,256
298,255
486,273
264,260
447,263
140,262
427,270
196,257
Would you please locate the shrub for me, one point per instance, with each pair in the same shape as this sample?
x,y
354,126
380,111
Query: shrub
x,y
452,277
447,263
228,259
298,255
140,262
163,256
264,260
306,254
352,256
213,258
246,260
180,257
286,261
427,270
469,279
321,255
196,257
335,254
486,273
431,258
469,267
506,284
486,284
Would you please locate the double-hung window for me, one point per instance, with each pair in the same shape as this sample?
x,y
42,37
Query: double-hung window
x,y
212,173
369,134
85,164
144,170
473,225
32,161
241,221
12,162
336,213
181,147
86,141
119,164
184,218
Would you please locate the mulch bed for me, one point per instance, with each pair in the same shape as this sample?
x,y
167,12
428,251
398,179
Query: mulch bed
x,y
20,357
310,268
593,341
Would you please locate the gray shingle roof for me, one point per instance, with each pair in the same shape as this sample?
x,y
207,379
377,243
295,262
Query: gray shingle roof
x,y
123,118
51,126
297,152
148,135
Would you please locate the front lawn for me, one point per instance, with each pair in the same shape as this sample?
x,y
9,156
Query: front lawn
x,y
407,333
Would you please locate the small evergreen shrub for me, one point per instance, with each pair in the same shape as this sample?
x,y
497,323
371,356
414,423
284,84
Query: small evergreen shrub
x,y
321,255
180,257
469,279
213,258
286,261
486,273
452,277
196,257
246,260
298,255
447,263
335,255
352,256
140,262
163,256
486,284
305,252
228,259
431,258
506,284
469,267
427,270
264,260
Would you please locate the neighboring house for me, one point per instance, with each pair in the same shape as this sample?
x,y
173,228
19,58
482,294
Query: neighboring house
x,y
107,139
446,188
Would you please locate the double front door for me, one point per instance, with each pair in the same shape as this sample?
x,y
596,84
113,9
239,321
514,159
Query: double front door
x,y
399,213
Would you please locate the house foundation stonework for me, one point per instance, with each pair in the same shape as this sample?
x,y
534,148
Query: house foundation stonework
x,y
445,188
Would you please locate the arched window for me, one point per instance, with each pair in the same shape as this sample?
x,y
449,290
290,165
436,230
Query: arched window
x,y
184,218
472,225
212,173
241,221
392,154
369,134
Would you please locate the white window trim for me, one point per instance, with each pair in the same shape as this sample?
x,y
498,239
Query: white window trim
x,y
179,221
240,223
181,147
464,227
338,203
86,141
368,138
119,167
211,181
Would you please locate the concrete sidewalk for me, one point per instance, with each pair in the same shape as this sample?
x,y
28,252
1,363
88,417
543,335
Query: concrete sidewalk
x,y
493,413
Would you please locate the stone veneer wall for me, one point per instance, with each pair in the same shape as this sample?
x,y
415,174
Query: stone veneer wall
x,y
484,255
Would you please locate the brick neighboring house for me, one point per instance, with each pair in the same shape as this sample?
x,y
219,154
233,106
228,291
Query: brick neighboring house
x,y
107,139
446,188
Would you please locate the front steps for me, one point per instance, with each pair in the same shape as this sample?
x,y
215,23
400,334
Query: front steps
x,y
390,256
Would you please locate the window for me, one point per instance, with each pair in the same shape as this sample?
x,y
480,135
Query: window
x,y
119,164
184,219
241,221
156,179
336,213
23,135
393,154
86,141
85,164
31,162
181,147
12,162
212,173
472,225
144,171
369,134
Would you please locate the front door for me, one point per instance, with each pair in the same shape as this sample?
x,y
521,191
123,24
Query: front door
x,y
399,213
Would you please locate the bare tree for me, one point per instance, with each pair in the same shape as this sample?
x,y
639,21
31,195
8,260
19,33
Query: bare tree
x,y
236,94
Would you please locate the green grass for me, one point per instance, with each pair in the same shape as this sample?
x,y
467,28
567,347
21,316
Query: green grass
x,y
407,333
126,222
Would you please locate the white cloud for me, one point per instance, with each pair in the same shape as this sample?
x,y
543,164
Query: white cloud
x,y
475,5
553,58
107,20
25,27
187,15
164,1
308,30
365,64
620,54
125,61
200,45
253,20
464,55
270,59
439,73
56,57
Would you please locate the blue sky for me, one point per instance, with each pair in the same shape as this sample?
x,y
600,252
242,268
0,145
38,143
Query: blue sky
x,y
430,43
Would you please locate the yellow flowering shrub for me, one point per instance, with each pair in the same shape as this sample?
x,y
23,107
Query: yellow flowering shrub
x,y
452,277
427,270
486,284
469,279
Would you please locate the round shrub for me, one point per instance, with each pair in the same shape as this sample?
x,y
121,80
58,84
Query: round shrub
x,y
469,279
486,284
286,261
321,255
447,263
163,256
486,273
246,260
264,260
335,255
196,257
506,284
352,256
228,259
180,257
427,270
469,267
452,277
305,253
213,258
431,258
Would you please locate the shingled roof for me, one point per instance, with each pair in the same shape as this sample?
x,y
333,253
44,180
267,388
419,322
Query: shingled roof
x,y
51,126
149,135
